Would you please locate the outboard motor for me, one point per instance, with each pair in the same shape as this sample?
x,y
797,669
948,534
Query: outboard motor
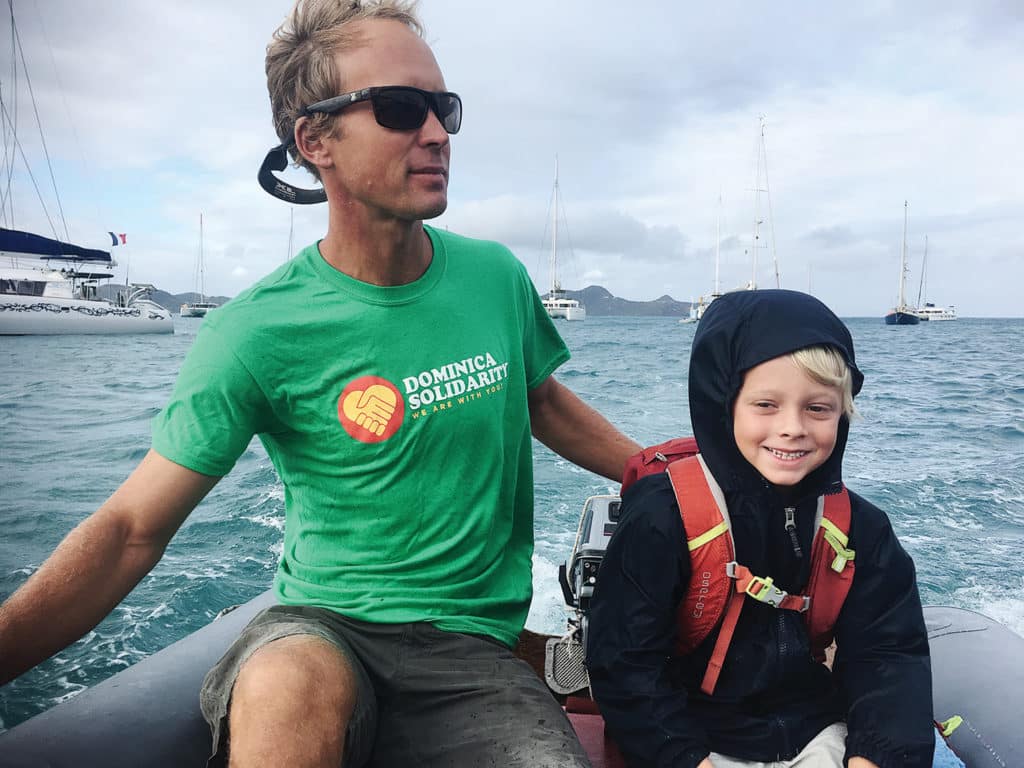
x,y
564,668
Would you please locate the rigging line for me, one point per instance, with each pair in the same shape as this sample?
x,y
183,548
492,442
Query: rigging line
x,y
82,156
756,236
924,270
28,170
8,171
542,249
39,124
8,147
771,218
568,237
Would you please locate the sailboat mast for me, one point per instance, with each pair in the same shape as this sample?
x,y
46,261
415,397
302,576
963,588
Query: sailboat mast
x,y
922,286
202,271
771,219
291,231
718,242
757,213
901,303
762,165
554,236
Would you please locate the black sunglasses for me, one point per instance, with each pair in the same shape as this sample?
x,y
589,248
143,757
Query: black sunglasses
x,y
399,107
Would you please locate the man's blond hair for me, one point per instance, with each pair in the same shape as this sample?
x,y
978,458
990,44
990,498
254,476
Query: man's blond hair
x,y
301,66
827,366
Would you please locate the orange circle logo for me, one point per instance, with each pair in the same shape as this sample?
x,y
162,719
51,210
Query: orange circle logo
x,y
371,409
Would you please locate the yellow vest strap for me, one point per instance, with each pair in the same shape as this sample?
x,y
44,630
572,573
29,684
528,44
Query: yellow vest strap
x,y
838,541
704,538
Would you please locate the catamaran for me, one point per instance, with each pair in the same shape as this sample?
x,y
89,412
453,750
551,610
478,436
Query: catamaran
x,y
557,303
37,297
927,310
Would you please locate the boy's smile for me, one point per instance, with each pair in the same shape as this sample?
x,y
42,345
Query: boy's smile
x,y
784,422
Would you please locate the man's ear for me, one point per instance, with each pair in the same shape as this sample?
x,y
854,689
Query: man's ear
x,y
310,144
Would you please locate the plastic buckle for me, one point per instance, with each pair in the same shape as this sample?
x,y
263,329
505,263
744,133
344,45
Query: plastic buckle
x,y
763,590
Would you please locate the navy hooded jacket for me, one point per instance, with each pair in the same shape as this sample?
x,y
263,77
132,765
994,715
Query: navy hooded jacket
x,y
772,698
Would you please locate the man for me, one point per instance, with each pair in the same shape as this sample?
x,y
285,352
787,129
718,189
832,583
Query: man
x,y
394,374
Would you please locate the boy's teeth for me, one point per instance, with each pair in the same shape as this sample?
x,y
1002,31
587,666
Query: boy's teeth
x,y
788,454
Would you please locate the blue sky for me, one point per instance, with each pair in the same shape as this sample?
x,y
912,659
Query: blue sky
x,y
156,112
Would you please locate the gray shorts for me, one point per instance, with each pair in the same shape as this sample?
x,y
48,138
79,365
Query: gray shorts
x,y
435,698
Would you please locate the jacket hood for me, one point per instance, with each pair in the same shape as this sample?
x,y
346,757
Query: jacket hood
x,y
737,332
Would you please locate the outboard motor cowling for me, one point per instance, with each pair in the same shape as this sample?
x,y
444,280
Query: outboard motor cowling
x,y
564,658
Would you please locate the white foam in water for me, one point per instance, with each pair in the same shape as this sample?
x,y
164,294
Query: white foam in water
x,y
548,613
72,690
211,572
273,520
1002,605
160,611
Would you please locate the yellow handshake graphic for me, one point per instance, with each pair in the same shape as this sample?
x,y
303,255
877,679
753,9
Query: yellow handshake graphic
x,y
371,408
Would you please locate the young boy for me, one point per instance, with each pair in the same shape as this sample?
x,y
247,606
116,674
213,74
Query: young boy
x,y
772,380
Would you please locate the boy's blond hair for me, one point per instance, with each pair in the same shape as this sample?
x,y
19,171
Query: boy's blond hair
x,y
827,366
301,68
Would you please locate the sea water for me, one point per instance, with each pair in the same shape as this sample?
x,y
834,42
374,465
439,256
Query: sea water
x,y
939,446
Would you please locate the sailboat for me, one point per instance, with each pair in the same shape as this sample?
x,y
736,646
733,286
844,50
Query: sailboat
x,y
928,311
557,304
698,308
201,307
903,314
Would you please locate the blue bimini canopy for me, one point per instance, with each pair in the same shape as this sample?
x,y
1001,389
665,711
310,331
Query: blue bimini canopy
x,y
16,241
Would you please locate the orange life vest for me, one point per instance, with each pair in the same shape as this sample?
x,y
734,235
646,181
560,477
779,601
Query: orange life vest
x,y
718,584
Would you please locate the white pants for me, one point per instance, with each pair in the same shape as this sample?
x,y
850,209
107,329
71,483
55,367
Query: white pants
x,y
825,750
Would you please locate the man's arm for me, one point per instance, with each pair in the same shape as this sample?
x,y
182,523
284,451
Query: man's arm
x,y
574,430
98,563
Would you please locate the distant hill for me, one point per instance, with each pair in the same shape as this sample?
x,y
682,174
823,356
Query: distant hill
x,y
599,302
169,301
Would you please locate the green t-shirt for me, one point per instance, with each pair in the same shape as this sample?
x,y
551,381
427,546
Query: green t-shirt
x,y
397,420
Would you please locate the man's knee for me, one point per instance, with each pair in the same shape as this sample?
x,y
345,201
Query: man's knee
x,y
303,672
293,703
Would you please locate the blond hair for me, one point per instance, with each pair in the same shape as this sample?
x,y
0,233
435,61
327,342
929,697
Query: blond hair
x,y
301,66
827,366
